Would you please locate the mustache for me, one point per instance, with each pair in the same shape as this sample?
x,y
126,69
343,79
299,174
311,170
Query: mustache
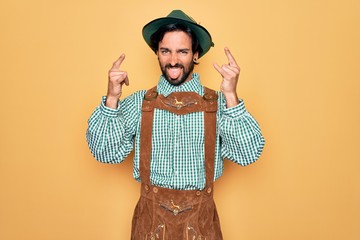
x,y
177,65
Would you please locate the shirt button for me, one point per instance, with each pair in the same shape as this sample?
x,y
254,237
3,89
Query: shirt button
x,y
147,187
155,190
198,193
208,190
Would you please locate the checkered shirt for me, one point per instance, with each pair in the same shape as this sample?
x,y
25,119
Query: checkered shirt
x,y
177,159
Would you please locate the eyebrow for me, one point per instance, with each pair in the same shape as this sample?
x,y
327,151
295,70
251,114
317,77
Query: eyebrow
x,y
178,50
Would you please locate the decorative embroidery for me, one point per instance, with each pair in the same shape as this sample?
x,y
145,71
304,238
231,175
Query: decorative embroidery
x,y
191,234
172,101
175,209
158,234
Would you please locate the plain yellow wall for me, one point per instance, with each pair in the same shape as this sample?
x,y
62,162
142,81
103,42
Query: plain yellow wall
x,y
299,77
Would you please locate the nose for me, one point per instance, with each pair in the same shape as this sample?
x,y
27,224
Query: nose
x,y
173,59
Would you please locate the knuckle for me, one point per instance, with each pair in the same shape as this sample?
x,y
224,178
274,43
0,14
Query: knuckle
x,y
114,78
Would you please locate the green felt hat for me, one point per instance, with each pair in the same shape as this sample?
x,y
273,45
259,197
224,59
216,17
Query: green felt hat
x,y
178,16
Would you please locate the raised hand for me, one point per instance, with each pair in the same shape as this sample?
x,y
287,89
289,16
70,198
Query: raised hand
x,y
116,79
230,73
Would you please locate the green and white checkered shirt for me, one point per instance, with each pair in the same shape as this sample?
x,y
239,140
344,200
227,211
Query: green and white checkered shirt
x,y
177,159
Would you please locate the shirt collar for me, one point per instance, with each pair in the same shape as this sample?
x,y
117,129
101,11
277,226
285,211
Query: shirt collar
x,y
193,85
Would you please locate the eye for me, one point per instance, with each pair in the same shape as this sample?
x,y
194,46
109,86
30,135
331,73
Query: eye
x,y
184,52
164,51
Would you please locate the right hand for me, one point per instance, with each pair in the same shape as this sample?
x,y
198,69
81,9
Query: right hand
x,y
116,79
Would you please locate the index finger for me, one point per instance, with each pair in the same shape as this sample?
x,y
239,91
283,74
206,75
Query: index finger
x,y
232,61
117,63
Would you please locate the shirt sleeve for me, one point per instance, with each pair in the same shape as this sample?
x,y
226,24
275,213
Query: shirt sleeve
x,y
111,132
241,139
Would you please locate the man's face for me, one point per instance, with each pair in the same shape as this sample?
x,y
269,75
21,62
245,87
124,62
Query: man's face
x,y
176,57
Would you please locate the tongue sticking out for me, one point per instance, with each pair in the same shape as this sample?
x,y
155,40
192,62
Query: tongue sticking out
x,y
174,72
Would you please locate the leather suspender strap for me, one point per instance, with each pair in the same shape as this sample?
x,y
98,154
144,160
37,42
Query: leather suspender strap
x,y
211,107
146,134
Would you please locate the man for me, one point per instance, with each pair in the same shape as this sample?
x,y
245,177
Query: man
x,y
182,132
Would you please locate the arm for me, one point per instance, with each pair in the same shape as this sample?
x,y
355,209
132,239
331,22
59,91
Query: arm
x,y
242,141
241,138
111,128
111,132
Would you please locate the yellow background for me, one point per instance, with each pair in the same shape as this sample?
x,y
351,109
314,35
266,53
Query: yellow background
x,y
299,78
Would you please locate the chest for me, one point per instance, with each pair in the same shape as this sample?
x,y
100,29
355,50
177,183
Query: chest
x,y
168,126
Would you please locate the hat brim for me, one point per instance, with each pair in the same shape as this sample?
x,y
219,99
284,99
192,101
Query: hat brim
x,y
201,33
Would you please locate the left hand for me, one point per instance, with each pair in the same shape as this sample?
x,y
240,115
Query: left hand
x,y
230,73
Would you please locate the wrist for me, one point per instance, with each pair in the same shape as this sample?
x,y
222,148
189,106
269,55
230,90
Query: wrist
x,y
111,102
232,99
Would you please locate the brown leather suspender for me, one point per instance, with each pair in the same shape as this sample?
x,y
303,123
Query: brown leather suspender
x,y
179,103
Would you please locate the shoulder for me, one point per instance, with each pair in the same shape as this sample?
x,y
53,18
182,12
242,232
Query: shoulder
x,y
219,94
133,102
135,97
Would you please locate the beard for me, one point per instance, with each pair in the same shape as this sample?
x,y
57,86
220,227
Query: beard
x,y
182,78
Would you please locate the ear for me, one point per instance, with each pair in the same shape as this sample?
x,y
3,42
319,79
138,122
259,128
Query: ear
x,y
157,54
196,57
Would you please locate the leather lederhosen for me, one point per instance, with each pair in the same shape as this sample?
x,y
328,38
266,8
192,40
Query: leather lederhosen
x,y
170,214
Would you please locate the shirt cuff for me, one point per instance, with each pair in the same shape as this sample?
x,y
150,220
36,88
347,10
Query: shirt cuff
x,y
236,111
109,112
